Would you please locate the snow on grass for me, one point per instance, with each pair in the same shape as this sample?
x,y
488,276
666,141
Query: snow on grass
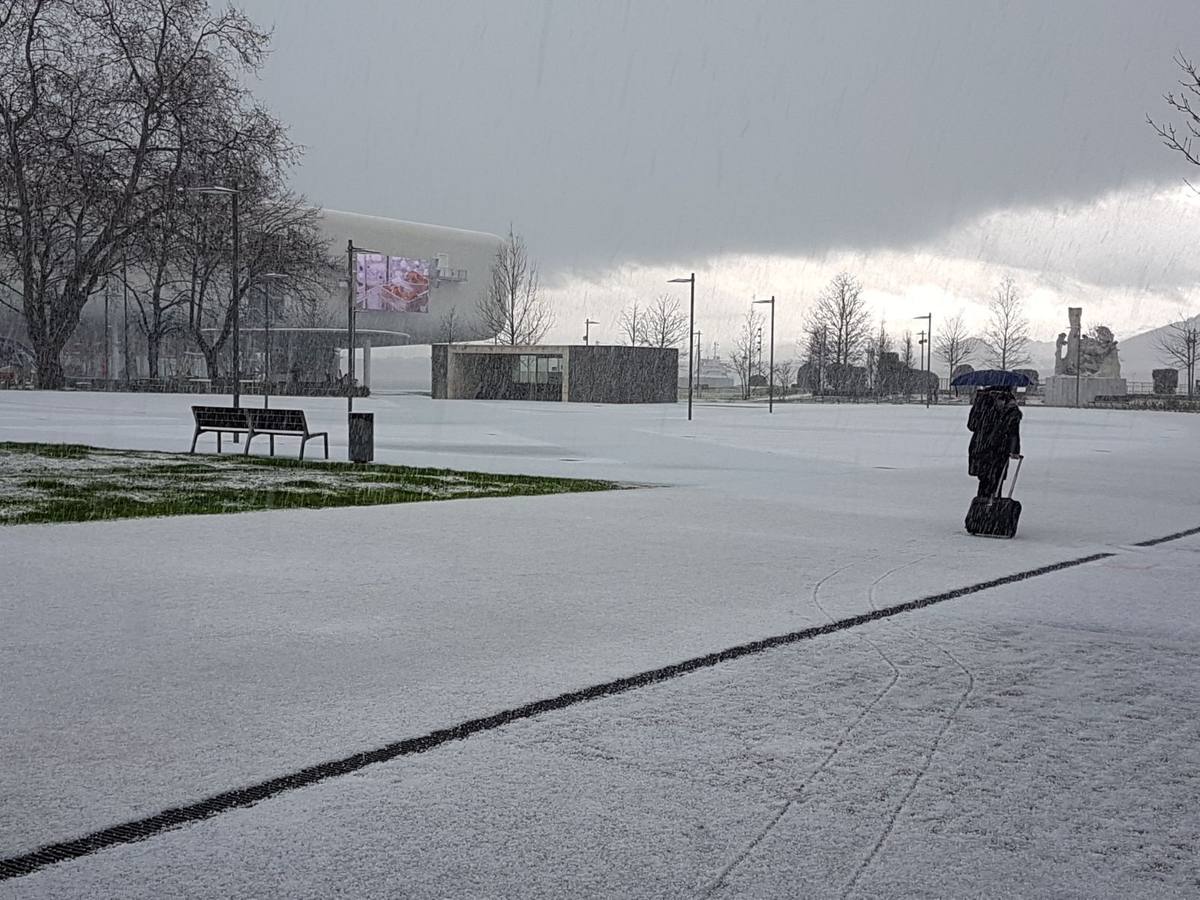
x,y
74,483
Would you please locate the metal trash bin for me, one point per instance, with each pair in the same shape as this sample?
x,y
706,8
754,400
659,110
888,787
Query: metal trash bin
x,y
362,437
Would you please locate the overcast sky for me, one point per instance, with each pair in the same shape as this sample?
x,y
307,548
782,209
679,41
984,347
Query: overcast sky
x,y
930,146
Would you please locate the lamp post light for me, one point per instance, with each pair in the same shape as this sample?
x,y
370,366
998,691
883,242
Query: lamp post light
x,y
1190,340
351,306
928,317
587,330
107,337
1079,345
233,194
268,277
691,279
771,364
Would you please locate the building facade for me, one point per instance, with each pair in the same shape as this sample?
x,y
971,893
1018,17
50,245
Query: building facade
x,y
567,374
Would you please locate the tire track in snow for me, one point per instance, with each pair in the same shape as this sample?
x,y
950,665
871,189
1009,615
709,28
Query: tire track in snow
x,y
796,795
933,749
925,766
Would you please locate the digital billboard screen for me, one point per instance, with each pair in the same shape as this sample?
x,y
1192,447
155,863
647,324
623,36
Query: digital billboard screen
x,y
391,283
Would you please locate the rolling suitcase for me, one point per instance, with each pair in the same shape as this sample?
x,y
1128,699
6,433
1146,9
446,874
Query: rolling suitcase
x,y
996,516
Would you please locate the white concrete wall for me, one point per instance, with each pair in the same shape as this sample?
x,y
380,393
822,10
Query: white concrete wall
x,y
470,250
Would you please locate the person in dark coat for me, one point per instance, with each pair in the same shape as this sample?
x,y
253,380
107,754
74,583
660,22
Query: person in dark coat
x,y
995,425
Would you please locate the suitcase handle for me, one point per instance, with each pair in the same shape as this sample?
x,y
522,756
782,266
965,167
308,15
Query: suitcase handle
x,y
1013,486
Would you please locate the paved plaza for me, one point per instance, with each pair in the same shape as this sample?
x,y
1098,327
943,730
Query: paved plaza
x,y
1037,734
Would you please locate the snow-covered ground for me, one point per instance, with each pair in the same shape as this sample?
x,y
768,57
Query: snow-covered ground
x,y
1032,739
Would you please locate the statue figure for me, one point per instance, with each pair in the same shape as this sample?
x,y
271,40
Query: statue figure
x,y
1060,361
1099,354
1086,355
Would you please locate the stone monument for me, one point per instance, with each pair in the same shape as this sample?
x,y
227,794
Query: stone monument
x,y
1089,368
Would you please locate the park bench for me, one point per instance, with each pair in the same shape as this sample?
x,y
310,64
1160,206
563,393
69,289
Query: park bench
x,y
251,421
285,422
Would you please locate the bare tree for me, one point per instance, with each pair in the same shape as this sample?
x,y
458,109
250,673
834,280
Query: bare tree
x,y
1186,103
815,352
881,343
666,325
448,325
280,233
157,294
954,345
96,97
1007,333
783,373
1177,346
745,349
512,307
843,314
633,325
908,358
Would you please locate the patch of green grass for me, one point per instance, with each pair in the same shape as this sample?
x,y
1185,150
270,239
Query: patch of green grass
x,y
45,483
49,451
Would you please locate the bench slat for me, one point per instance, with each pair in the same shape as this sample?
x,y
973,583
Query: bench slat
x,y
223,417
280,420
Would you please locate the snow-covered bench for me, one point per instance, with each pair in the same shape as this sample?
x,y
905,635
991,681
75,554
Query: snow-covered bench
x,y
251,421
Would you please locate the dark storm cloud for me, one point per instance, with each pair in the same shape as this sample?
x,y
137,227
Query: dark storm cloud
x,y
662,131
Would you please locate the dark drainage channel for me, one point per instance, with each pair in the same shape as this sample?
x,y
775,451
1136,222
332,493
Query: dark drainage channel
x,y
140,829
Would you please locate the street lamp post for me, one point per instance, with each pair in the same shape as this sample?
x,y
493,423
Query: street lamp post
x,y
125,320
691,279
351,307
821,361
267,279
921,342
928,317
1190,340
107,337
771,364
587,330
1078,371
233,194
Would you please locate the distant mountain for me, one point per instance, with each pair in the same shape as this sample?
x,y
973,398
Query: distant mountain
x,y
1041,354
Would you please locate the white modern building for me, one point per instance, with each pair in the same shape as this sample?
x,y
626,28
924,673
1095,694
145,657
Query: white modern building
x,y
454,267
459,268
458,263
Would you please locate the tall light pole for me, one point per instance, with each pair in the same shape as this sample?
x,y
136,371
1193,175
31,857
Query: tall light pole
x,y
351,306
1190,340
587,330
691,279
268,277
233,194
125,316
928,317
1079,345
771,370
107,337
821,361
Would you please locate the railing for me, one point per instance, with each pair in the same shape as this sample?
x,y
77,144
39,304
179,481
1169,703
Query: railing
x,y
1159,402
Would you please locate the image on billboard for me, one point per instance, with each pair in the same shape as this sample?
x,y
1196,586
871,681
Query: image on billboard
x,y
391,283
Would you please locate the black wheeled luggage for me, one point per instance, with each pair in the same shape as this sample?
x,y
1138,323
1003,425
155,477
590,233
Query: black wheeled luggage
x,y
996,516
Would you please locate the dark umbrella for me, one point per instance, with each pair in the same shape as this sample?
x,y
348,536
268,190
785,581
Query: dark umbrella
x,y
990,378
